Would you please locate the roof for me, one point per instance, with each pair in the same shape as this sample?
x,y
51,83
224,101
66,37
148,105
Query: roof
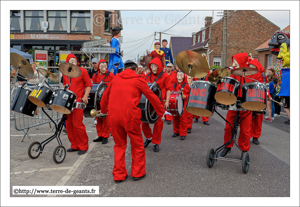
x,y
199,44
180,44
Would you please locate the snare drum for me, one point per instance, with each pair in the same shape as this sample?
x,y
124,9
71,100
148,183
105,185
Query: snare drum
x,y
40,95
176,104
201,99
227,91
21,104
254,96
148,113
63,101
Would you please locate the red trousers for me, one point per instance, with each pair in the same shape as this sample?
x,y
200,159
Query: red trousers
x,y
189,120
156,135
256,124
76,130
121,126
244,137
203,118
102,127
180,124
169,118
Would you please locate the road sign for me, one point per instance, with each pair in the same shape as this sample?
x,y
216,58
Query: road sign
x,y
94,43
98,50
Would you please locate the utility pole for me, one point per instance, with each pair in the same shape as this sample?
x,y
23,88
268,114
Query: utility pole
x,y
160,38
209,38
224,41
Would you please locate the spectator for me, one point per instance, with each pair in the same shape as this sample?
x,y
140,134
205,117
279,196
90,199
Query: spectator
x,y
94,69
270,104
35,79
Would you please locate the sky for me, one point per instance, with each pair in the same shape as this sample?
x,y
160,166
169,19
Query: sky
x,y
139,26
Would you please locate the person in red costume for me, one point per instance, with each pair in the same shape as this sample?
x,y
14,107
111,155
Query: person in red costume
x,y
76,129
125,119
162,80
189,117
180,122
157,53
238,60
169,71
102,126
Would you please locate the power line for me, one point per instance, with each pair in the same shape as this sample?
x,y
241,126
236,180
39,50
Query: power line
x,y
172,34
133,45
177,22
138,39
139,45
152,42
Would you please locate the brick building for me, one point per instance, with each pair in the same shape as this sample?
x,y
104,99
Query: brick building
x,y
246,31
178,44
66,29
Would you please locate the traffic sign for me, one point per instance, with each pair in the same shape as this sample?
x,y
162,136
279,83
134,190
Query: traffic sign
x,y
94,43
98,50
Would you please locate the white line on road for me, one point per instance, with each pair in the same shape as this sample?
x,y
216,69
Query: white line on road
x,y
43,170
36,134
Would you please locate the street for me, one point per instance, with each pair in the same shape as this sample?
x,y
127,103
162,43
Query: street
x,y
178,170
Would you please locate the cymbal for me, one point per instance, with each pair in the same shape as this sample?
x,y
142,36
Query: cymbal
x,y
217,74
48,74
187,58
244,71
70,70
17,60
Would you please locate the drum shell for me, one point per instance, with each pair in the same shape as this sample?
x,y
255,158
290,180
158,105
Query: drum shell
x,y
201,99
63,101
41,96
21,103
254,96
227,91
176,108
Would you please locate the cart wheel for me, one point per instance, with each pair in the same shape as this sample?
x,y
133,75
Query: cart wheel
x,y
245,162
59,154
34,150
210,158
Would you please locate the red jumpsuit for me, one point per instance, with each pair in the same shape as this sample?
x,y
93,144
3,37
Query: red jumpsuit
x,y
102,126
164,84
180,122
76,129
122,97
168,117
244,136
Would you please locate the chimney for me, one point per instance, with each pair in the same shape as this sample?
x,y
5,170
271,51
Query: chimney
x,y
208,21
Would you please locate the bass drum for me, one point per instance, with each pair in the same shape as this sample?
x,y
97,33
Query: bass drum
x,y
95,98
176,104
21,104
148,113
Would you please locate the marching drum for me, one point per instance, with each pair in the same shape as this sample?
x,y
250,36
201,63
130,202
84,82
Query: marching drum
x,y
63,101
227,91
94,98
201,99
254,96
40,95
236,106
148,113
176,104
21,104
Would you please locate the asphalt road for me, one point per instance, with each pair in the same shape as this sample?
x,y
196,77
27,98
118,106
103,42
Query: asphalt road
x,y
178,170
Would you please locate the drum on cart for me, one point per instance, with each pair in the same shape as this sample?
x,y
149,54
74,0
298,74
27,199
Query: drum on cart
x,y
176,104
227,91
41,95
94,98
148,113
254,96
63,101
201,99
21,104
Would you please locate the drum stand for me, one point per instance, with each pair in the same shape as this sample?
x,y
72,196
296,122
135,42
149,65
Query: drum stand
x,y
213,155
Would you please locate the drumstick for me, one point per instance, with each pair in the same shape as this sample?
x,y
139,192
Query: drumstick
x,y
280,103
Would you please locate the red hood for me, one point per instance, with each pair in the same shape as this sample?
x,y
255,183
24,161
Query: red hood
x,y
157,62
102,61
128,73
71,56
257,65
241,58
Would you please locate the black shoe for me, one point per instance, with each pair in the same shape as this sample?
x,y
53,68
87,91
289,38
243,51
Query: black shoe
x,y
138,178
189,131
182,137
175,135
118,181
99,139
81,152
287,122
225,152
255,141
169,122
206,123
146,143
196,121
104,141
156,148
72,150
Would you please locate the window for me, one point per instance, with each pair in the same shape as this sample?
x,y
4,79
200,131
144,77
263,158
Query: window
x,y
217,61
80,21
49,48
33,21
15,21
198,37
270,58
57,21
38,47
194,39
203,35
107,22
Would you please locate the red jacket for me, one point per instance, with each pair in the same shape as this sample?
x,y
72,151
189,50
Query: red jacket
x,y
108,78
78,84
125,91
258,76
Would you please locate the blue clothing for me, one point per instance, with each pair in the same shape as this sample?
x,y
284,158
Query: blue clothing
x,y
115,57
168,58
272,88
273,104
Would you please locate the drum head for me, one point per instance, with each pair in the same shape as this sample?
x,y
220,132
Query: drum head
x,y
36,101
180,104
225,98
254,106
199,112
60,109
